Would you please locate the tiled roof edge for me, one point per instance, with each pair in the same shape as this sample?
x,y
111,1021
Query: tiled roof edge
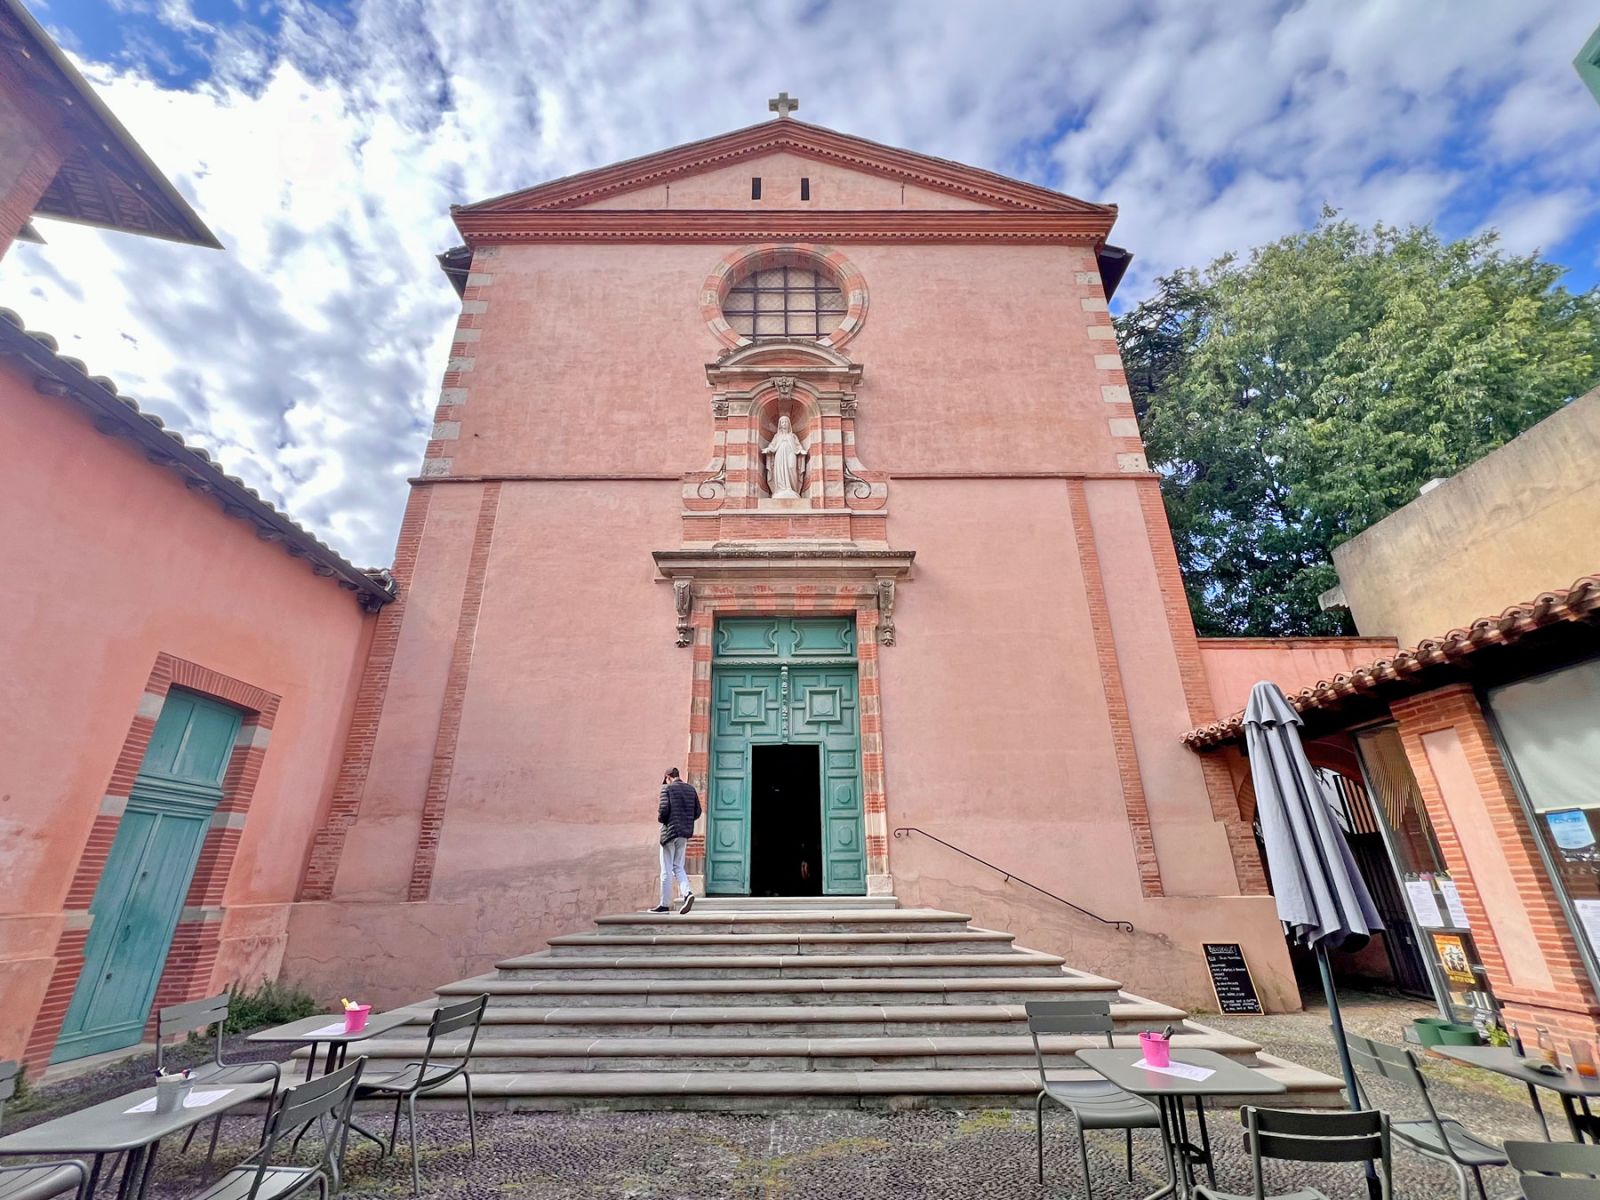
x,y
1575,603
58,375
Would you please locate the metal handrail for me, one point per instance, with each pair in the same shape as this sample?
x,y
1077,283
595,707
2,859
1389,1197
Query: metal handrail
x,y
1125,926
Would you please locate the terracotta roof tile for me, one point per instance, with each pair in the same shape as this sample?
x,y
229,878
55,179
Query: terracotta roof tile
x,y
1579,602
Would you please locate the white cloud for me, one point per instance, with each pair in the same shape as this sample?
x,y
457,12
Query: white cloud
x,y
326,156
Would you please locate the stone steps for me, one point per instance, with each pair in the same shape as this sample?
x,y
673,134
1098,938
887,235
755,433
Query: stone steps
x,y
822,1020
734,1091
761,1004
969,941
747,992
500,1054
763,966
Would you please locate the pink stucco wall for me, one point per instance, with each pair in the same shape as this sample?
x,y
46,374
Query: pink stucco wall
x,y
583,394
111,561
1235,665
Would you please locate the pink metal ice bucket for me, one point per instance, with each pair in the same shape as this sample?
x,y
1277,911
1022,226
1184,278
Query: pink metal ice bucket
x,y
1157,1050
355,1017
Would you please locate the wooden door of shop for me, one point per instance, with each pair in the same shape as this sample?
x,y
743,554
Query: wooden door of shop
x,y
147,874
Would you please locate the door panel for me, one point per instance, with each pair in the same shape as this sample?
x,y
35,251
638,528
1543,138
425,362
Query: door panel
x,y
824,703
148,870
745,709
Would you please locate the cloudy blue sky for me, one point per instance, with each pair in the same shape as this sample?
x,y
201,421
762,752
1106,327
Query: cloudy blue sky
x,y
324,145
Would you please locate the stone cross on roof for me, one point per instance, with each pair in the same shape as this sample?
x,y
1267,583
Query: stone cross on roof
x,y
782,104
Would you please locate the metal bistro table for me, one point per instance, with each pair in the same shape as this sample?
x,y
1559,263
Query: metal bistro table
x,y
313,1031
1570,1087
109,1128
1227,1078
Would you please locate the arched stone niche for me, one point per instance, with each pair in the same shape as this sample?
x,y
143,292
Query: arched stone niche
x,y
787,397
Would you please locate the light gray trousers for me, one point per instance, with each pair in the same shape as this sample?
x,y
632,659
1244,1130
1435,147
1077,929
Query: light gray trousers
x,y
672,868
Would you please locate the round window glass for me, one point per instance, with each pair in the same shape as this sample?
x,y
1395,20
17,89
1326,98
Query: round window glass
x,y
784,302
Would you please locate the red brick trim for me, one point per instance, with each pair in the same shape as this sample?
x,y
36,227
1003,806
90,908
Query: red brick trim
x,y
455,693
322,861
1133,797
193,952
1248,873
1572,1006
739,263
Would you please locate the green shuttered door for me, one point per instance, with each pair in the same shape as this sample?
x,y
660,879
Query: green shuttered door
x,y
147,873
785,680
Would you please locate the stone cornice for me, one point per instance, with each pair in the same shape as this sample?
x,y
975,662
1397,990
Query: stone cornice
x,y
739,561
716,225
798,137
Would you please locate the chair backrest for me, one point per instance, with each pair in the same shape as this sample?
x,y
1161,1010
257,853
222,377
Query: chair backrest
x,y
189,1016
8,1082
1066,1016
1391,1062
331,1094
452,1018
1555,1158
1347,1137
1557,1187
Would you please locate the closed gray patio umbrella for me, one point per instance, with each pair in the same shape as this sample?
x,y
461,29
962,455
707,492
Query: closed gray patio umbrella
x,y
1322,900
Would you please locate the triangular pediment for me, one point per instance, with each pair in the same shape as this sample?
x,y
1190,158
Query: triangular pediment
x,y
700,172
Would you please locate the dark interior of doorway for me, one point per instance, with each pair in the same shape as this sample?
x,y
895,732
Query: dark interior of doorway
x,y
785,821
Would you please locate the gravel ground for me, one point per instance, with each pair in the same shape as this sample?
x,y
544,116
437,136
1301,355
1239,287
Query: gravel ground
x,y
907,1155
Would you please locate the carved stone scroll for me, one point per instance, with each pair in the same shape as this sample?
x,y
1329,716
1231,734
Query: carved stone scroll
x,y
886,612
683,601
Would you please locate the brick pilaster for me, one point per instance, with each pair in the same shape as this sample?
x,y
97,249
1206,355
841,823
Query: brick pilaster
x,y
1569,1008
1133,795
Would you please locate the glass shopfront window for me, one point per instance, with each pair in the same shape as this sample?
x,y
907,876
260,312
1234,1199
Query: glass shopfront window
x,y
1550,728
1438,921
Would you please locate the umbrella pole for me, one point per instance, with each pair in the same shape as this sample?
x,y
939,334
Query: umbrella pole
x,y
1346,1067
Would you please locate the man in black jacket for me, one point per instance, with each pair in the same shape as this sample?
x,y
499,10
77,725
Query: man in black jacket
x,y
678,810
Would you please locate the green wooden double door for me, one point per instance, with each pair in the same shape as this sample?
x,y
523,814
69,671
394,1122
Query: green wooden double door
x,y
140,896
785,682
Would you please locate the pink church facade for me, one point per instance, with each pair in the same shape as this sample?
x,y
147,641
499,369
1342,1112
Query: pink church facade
x,y
592,566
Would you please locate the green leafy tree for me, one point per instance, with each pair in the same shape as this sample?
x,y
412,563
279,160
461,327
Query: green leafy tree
x,y
1293,398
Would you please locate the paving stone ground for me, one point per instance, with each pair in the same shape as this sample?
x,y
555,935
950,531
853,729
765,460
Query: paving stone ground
x,y
846,1154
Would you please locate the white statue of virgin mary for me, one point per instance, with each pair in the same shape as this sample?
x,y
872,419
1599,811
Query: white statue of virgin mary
x,y
785,462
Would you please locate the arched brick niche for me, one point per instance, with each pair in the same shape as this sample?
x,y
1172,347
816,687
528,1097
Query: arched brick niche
x,y
739,263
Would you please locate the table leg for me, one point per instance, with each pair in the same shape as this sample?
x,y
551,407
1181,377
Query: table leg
x,y
130,1168
1167,1137
1572,1118
1205,1140
1544,1126
94,1176
311,1061
149,1166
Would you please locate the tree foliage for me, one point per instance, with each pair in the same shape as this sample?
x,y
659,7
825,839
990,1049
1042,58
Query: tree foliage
x,y
1293,398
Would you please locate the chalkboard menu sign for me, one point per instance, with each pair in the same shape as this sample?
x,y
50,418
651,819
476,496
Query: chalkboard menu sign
x,y
1230,978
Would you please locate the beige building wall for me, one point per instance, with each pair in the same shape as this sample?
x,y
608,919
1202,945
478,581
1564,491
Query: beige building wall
x,y
1520,521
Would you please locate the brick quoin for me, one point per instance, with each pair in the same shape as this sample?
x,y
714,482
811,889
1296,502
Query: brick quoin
x,y
1247,868
322,862
192,956
1571,1010
455,692
1133,796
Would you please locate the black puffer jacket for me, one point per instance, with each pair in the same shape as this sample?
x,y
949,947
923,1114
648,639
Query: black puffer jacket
x,y
679,808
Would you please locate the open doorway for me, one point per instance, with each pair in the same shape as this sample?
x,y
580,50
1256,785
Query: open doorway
x,y
785,821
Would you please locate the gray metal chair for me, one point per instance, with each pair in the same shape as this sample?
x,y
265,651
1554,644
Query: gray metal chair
x,y
1341,1137
325,1101
1556,1170
197,1014
1093,1103
419,1078
1442,1138
37,1181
